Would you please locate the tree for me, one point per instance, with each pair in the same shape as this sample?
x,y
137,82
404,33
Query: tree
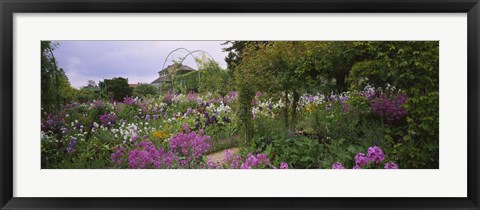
x,y
235,52
143,90
116,88
92,83
332,61
55,87
209,78
413,67
273,68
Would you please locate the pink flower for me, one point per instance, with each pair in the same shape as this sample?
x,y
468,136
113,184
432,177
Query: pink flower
x,y
283,165
361,159
338,165
391,165
375,154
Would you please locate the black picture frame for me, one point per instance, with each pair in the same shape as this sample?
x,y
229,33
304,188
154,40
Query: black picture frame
x,y
10,7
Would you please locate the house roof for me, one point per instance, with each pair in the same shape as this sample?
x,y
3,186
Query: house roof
x,y
160,79
180,68
91,88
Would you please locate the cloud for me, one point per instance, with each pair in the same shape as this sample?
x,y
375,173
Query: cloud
x,y
139,61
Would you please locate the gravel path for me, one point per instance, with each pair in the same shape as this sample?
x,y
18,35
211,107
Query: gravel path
x,y
217,157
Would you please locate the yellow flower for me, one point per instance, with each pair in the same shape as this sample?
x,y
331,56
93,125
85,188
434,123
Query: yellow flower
x,y
160,134
310,108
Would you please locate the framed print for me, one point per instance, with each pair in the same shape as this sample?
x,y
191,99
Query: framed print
x,y
239,105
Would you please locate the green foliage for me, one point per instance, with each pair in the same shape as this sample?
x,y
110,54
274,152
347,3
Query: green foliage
x,y
127,112
85,96
273,68
413,67
305,135
299,152
212,78
332,61
235,51
144,90
55,87
187,82
408,65
116,88
419,149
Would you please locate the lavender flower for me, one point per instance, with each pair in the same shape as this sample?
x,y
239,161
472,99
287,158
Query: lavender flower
x,y
129,101
71,146
375,154
361,159
145,155
390,109
107,119
338,165
189,111
391,165
190,145
117,156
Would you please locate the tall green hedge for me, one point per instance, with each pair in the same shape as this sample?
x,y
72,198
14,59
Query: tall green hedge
x,y
211,80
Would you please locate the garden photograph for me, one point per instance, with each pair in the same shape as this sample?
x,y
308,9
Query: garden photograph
x,y
239,104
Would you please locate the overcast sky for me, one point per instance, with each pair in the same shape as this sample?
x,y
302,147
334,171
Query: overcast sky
x,y
139,61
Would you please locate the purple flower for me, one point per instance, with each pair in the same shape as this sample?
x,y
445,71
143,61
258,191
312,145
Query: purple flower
x,y
192,96
391,165
168,98
107,119
117,156
356,167
71,146
390,109
361,159
283,165
52,123
145,155
212,165
375,154
147,117
345,107
225,119
252,161
189,110
232,96
129,101
258,94
189,145
338,165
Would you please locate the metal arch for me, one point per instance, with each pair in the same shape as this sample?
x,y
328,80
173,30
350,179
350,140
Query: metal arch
x,y
181,48
191,54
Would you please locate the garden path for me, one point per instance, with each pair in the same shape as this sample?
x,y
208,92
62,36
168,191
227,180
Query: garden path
x,y
217,157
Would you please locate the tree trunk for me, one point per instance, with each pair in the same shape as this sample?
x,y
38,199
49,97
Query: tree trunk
x,y
340,78
285,110
296,98
245,99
